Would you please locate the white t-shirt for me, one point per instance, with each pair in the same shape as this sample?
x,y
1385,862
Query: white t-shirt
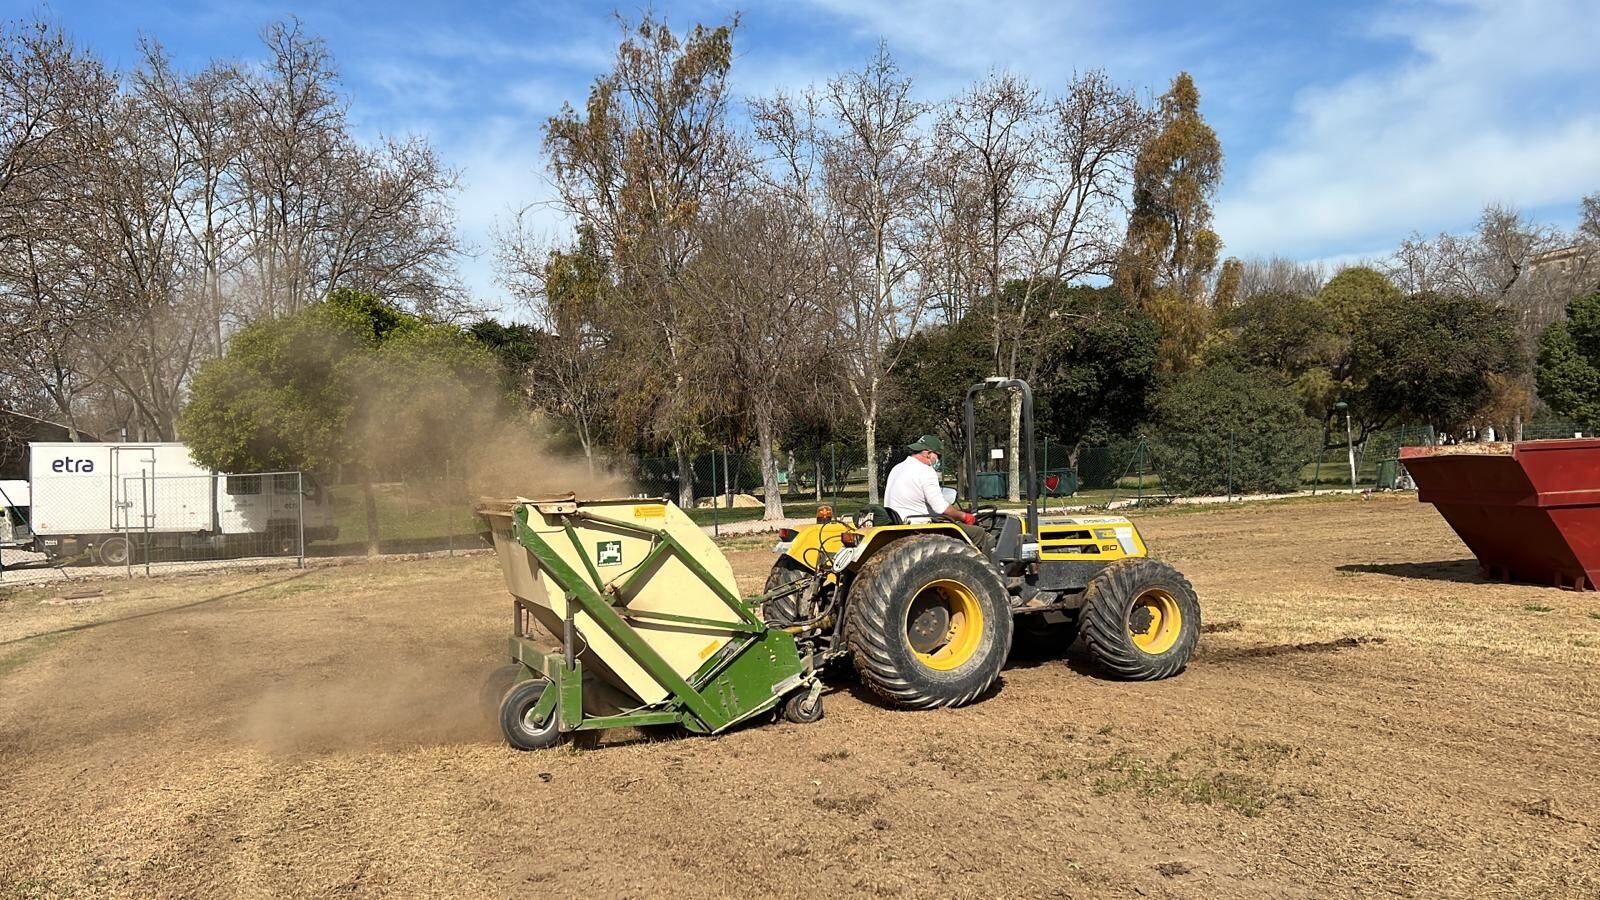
x,y
913,490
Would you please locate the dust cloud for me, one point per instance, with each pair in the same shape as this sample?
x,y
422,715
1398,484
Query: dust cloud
x,y
395,702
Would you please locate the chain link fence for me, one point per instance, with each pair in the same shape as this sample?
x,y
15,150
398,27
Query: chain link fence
x,y
81,524
113,522
1134,469
72,522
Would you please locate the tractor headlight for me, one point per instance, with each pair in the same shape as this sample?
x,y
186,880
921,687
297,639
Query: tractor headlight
x,y
1028,552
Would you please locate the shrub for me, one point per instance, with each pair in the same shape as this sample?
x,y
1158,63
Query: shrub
x,y
1271,436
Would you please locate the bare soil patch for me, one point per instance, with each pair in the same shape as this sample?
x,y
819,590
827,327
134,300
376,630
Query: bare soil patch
x,y
1366,717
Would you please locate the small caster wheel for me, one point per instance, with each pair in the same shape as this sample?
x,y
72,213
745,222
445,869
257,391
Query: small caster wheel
x,y
803,708
521,729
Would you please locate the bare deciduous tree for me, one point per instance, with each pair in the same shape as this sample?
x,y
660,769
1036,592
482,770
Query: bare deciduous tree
x,y
638,166
872,157
763,277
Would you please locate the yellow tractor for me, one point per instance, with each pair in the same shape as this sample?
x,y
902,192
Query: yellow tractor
x,y
927,617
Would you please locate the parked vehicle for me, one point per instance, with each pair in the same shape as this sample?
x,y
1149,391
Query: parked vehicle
x,y
107,502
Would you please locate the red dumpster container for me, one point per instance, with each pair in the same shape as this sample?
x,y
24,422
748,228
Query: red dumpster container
x,y
1532,514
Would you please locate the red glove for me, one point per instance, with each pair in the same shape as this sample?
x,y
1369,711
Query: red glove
x,y
969,518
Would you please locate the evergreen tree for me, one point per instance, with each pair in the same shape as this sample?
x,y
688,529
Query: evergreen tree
x,y
1170,249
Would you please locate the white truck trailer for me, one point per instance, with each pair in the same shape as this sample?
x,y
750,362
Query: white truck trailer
x,y
105,501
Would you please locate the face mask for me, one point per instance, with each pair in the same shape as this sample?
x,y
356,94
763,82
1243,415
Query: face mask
x,y
938,464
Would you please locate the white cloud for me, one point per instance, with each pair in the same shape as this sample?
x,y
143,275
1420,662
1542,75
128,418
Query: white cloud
x,y
1492,105
970,36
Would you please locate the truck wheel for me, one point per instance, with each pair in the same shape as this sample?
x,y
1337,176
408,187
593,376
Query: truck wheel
x,y
1141,620
784,610
114,551
283,542
929,624
516,708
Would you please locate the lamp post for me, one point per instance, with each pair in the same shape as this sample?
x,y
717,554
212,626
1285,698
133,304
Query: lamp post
x,y
1349,441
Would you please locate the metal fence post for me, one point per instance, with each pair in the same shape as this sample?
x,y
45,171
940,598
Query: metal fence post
x,y
1139,501
1316,474
127,530
144,494
1230,465
300,513
450,507
716,501
833,473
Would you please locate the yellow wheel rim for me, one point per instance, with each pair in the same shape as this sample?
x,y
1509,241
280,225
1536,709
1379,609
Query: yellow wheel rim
x,y
1155,621
944,624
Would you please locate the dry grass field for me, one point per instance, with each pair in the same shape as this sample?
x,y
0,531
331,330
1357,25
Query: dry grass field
x,y
1365,716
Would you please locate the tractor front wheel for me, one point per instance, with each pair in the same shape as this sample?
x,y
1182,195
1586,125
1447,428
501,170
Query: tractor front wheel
x,y
928,624
1140,620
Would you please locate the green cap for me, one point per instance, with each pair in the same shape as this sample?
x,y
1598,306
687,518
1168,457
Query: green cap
x,y
928,442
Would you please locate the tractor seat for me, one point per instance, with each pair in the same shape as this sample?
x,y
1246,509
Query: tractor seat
x,y
873,516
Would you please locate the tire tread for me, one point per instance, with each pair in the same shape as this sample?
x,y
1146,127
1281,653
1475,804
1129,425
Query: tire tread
x,y
868,630
1103,622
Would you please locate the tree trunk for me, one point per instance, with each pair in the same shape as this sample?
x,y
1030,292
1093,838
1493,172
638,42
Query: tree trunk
x,y
685,475
1014,452
588,451
870,426
369,499
819,474
794,483
769,468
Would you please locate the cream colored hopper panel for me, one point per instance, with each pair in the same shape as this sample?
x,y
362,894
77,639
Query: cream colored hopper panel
x,y
615,555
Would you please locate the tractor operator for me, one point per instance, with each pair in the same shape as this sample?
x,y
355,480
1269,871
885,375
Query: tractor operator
x,y
912,491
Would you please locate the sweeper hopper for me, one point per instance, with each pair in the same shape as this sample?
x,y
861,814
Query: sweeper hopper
x,y
647,620
1529,511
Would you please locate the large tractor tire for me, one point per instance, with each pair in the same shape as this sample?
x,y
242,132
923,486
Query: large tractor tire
x,y
929,624
1140,620
784,610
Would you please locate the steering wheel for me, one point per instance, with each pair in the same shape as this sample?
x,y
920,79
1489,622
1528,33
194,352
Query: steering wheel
x,y
986,515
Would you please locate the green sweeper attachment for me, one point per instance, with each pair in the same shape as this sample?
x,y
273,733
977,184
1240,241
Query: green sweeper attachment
x,y
647,621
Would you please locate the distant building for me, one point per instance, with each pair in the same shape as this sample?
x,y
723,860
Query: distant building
x,y
17,430
1577,261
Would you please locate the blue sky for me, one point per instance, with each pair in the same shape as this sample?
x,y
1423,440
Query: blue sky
x,y
1345,126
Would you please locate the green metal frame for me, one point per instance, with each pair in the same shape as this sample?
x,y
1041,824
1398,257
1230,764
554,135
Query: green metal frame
x,y
749,675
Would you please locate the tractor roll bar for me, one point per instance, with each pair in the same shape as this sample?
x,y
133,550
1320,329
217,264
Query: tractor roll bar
x,y
1032,473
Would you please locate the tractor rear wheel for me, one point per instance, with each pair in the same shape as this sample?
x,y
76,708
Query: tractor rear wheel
x,y
784,610
1140,619
929,624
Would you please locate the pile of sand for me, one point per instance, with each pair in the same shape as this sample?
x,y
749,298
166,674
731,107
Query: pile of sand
x,y
740,501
